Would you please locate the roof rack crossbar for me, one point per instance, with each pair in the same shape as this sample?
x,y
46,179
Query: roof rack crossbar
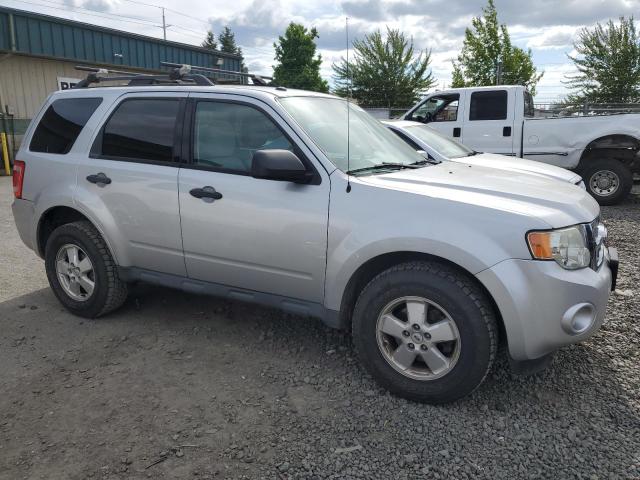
x,y
177,76
257,79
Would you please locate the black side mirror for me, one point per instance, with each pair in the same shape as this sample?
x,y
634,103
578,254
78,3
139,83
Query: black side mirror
x,y
282,165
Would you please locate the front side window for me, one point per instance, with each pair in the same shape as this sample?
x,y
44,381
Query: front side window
x,y
141,129
226,135
61,124
488,105
437,109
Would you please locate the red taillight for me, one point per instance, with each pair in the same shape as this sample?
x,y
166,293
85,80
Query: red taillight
x,y
18,178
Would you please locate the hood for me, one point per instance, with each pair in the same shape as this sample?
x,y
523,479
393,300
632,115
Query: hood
x,y
558,204
515,164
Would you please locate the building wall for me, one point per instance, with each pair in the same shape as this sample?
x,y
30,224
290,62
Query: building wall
x,y
25,82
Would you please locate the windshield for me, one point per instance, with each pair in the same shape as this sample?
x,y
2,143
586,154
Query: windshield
x,y
440,143
371,144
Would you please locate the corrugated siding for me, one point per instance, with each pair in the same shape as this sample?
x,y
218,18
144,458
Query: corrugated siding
x,y
5,43
39,35
26,81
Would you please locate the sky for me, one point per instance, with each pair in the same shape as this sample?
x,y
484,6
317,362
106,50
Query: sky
x,y
547,27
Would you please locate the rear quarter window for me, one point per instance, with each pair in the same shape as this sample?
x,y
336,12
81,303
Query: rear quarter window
x,y
61,124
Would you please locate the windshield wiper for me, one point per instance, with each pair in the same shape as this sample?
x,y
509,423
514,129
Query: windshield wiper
x,y
473,154
431,161
383,166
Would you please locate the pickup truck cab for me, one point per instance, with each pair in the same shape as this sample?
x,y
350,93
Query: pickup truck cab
x,y
603,149
304,202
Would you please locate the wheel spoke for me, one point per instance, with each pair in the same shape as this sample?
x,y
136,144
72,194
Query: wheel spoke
x,y
442,331
393,326
86,283
62,266
74,287
416,311
85,265
404,357
435,360
72,254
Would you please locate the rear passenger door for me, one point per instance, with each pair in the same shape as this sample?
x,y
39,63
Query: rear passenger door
x,y
489,117
261,235
129,181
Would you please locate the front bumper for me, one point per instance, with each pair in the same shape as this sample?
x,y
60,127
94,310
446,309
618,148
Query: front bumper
x,y
23,215
544,306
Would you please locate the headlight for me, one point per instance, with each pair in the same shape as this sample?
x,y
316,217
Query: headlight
x,y
567,246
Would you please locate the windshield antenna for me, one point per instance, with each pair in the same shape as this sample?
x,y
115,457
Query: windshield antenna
x,y
348,111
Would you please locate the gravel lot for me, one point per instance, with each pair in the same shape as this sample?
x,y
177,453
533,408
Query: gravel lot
x,y
181,386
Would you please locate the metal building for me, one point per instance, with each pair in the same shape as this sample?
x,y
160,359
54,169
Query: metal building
x,y
38,54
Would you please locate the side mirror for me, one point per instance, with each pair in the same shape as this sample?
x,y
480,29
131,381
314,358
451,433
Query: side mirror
x,y
282,165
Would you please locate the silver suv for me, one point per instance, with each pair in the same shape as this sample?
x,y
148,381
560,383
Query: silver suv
x,y
303,202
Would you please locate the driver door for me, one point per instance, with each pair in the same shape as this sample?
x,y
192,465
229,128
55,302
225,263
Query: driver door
x,y
442,113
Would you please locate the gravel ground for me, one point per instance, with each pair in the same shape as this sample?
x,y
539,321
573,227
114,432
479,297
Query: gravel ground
x,y
181,386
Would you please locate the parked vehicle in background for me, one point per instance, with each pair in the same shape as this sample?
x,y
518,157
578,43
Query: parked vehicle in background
x,y
603,149
439,147
304,202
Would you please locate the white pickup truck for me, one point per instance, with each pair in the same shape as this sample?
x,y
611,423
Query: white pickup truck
x,y
603,148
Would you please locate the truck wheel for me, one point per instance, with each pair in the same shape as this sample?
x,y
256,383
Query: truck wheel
x,y
425,332
81,271
608,180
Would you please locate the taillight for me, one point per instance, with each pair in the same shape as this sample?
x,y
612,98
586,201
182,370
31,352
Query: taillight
x,y
18,178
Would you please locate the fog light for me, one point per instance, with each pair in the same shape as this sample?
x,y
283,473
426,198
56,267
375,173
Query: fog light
x,y
579,318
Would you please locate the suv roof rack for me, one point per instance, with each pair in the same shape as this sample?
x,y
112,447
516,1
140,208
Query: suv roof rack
x,y
257,79
179,75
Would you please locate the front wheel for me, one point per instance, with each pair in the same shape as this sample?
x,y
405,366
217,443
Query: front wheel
x,y
609,181
425,331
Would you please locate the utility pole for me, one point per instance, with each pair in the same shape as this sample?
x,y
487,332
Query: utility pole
x,y
499,73
164,25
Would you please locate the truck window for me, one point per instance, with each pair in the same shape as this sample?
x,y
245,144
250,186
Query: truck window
x,y
62,123
529,108
437,109
141,129
488,105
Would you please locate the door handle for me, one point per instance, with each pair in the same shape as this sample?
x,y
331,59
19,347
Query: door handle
x,y
208,193
99,178
457,131
506,131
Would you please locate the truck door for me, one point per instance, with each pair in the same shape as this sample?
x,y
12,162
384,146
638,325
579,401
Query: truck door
x,y
489,117
442,113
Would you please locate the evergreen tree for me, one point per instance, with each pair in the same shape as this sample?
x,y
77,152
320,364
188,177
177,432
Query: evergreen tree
x,y
210,41
298,66
228,44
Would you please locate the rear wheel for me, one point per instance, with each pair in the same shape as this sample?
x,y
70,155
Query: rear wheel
x,y
608,180
81,271
425,331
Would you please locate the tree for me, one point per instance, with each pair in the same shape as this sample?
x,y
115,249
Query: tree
x,y
487,49
298,66
385,71
210,41
608,64
227,41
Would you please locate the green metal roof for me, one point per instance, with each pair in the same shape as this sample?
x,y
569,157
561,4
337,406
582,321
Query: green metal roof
x,y
31,33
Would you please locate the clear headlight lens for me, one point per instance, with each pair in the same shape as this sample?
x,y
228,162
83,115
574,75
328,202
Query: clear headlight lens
x,y
567,246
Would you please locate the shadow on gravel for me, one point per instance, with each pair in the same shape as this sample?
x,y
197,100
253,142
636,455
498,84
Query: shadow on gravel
x,y
213,388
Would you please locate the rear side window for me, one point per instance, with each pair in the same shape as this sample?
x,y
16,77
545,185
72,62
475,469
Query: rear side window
x,y
141,129
491,105
61,124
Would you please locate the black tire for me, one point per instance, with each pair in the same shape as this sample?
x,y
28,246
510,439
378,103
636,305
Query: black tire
x,y
595,166
109,292
467,306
